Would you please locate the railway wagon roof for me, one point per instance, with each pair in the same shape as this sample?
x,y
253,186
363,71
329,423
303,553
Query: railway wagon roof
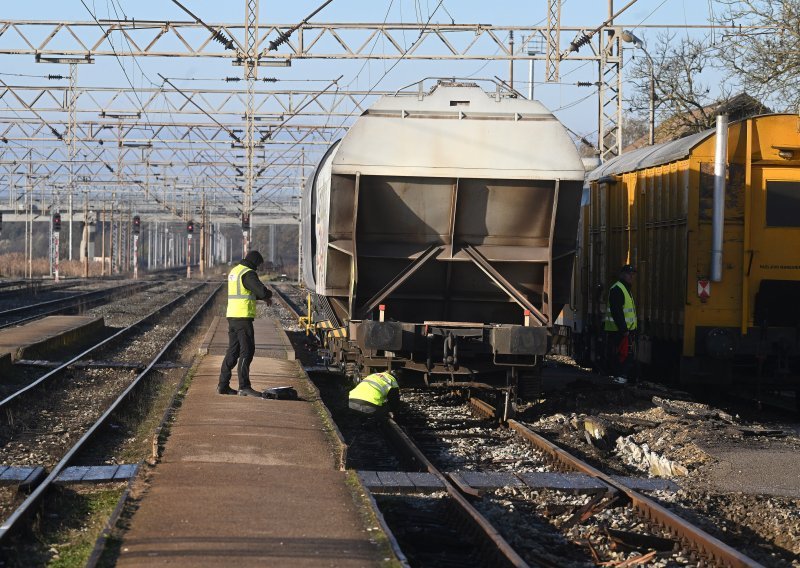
x,y
660,154
459,132
650,156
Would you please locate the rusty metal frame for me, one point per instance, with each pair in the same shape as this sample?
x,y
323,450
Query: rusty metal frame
x,y
483,263
398,280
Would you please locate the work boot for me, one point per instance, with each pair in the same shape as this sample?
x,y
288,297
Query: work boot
x,y
225,389
249,391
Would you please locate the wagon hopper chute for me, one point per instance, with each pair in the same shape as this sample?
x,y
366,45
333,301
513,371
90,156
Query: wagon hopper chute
x,y
456,211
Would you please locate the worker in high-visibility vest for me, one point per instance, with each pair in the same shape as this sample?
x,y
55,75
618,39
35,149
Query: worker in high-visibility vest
x,y
376,395
244,289
620,325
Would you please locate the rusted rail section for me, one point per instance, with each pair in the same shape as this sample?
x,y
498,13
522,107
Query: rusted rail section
x,y
505,554
716,551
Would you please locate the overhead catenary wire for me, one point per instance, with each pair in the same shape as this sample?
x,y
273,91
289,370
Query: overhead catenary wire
x,y
314,98
283,37
584,38
217,35
201,109
107,35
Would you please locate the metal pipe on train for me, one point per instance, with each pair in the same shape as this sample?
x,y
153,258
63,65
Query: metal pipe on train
x,y
705,314
718,218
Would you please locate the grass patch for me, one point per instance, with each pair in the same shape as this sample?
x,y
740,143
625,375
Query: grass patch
x,y
67,539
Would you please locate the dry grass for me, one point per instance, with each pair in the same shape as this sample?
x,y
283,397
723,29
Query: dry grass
x,y
16,265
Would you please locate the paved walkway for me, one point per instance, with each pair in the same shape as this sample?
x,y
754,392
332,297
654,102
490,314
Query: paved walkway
x,y
247,482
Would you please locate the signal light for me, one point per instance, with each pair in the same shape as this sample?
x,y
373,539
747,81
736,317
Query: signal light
x,y
137,225
190,227
56,222
245,222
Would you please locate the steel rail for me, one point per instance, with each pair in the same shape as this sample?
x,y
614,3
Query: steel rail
x,y
285,300
26,507
506,555
86,299
697,539
120,334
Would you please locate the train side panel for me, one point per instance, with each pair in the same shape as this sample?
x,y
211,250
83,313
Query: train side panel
x,y
654,209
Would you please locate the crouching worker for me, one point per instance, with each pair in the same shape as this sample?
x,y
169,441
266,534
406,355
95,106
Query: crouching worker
x,y
376,395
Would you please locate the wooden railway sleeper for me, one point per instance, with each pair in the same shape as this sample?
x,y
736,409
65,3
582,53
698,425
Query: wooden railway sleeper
x,y
600,502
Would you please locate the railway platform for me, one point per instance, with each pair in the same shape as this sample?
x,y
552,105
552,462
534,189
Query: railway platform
x,y
245,481
45,336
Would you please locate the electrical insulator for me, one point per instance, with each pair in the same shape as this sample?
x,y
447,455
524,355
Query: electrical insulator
x,y
56,222
190,227
245,222
137,225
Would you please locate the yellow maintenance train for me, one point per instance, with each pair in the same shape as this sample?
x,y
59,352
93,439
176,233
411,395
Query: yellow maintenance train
x,y
712,223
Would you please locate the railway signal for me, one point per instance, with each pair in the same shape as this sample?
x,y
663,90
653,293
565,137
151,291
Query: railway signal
x,y
189,231
245,233
137,229
55,243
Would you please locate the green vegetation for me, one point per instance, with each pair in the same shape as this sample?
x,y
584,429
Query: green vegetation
x,y
71,536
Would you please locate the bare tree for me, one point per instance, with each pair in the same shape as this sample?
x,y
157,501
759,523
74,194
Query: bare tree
x,y
634,130
763,51
682,70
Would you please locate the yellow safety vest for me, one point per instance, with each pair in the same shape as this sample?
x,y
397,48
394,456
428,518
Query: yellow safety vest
x,y
241,303
628,309
374,388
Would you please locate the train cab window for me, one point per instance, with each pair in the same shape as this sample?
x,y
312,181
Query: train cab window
x,y
783,204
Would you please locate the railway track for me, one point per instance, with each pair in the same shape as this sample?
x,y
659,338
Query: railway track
x,y
74,303
51,421
606,522
698,544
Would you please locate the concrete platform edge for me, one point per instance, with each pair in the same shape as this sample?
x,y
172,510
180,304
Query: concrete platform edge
x,y
362,496
41,349
206,343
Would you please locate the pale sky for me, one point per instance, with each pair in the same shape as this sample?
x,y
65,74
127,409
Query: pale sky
x,y
575,106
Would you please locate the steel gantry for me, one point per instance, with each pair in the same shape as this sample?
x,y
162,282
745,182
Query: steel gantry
x,y
245,145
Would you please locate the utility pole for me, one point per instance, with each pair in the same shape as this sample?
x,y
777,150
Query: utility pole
x,y
610,94
30,222
511,61
103,242
111,248
73,98
85,239
250,74
553,41
203,226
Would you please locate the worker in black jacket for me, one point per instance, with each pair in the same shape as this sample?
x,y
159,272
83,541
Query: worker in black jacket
x,y
620,325
244,288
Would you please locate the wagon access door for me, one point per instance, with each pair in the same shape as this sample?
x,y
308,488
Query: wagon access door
x,y
771,267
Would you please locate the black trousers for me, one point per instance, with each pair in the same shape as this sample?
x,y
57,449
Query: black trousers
x,y
619,364
365,408
241,348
